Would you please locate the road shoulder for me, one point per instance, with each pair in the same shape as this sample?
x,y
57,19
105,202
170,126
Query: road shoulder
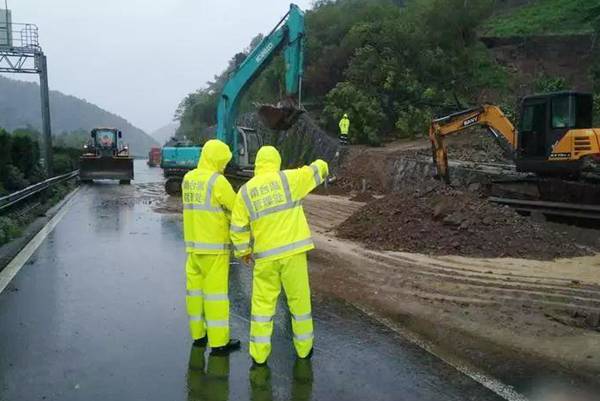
x,y
11,249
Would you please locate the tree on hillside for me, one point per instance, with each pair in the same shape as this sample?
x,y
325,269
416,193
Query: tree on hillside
x,y
596,70
26,155
414,63
19,160
29,132
328,48
73,139
5,156
391,68
195,113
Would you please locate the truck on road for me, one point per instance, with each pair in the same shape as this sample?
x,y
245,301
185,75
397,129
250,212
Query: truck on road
x,y
154,157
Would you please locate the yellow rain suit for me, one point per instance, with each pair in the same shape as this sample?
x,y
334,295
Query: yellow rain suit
x,y
268,221
207,202
344,129
344,125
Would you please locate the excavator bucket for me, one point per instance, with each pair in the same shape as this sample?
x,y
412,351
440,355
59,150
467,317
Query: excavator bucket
x,y
93,167
279,118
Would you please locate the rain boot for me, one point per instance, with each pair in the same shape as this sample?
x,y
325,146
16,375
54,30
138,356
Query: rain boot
x,y
232,345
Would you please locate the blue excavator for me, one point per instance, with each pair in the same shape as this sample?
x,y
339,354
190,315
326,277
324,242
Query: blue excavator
x,y
287,36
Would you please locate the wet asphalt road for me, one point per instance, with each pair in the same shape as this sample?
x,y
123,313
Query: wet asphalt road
x,y
98,313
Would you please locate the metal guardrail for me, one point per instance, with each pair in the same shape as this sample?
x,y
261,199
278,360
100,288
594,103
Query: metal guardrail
x,y
16,197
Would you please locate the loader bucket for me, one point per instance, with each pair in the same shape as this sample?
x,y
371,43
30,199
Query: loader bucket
x,y
105,168
279,118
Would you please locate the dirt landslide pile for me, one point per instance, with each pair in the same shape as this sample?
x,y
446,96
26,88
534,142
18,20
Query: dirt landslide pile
x,y
361,165
431,218
373,169
476,146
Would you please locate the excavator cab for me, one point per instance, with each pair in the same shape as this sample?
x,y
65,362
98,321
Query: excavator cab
x,y
545,121
248,143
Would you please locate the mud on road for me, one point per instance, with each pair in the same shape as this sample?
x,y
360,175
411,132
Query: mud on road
x,y
488,310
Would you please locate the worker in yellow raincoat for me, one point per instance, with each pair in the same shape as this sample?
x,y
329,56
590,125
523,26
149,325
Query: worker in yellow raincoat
x,y
344,129
268,224
208,199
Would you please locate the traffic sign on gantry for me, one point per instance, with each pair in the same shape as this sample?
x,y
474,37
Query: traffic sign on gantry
x,y
20,52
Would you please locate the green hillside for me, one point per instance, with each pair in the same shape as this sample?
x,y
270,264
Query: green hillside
x,y
20,108
543,17
393,65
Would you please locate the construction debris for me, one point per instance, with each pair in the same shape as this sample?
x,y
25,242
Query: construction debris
x,y
429,217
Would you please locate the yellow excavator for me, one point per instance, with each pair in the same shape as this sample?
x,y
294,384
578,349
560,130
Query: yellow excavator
x,y
555,136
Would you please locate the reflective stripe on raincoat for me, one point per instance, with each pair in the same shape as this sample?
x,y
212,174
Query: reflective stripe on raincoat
x,y
268,209
207,201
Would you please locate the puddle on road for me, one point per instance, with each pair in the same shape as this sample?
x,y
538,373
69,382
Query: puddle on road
x,y
150,194
209,378
168,205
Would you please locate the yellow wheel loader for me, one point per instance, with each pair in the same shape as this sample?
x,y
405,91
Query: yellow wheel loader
x,y
106,158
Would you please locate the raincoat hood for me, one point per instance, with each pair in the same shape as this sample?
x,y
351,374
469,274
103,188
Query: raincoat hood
x,y
268,160
345,115
215,156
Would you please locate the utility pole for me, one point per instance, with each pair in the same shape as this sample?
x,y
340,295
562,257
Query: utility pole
x,y
20,52
45,98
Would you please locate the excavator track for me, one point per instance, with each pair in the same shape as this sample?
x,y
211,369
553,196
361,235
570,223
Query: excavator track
x,y
585,191
569,201
573,201
590,213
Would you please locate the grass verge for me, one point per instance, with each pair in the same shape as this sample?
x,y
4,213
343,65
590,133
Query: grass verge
x,y
545,17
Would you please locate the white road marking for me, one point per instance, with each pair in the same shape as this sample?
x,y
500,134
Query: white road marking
x,y
15,265
503,390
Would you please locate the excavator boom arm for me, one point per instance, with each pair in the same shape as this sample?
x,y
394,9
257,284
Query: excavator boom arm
x,y
488,116
288,34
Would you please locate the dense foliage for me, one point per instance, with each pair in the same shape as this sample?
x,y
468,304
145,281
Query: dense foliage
x,y
392,65
596,72
74,139
20,159
389,67
411,63
546,17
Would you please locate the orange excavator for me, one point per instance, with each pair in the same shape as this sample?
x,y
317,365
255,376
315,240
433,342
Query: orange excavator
x,y
555,136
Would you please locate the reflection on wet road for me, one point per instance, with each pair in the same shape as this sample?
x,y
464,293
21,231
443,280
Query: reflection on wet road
x,y
98,313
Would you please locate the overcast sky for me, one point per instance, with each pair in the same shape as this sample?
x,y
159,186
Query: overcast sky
x,y
139,58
